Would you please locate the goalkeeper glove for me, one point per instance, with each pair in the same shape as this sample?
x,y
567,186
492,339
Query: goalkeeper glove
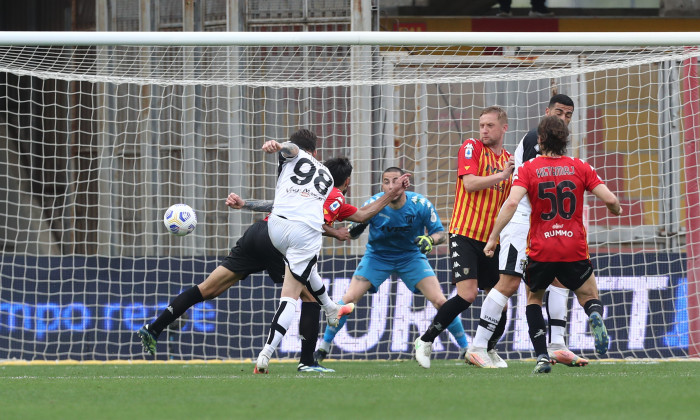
x,y
356,229
425,243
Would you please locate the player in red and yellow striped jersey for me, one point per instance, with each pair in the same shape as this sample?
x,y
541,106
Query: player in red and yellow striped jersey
x,y
475,209
483,183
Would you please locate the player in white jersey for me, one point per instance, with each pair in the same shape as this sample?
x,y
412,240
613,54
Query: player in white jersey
x,y
511,259
295,228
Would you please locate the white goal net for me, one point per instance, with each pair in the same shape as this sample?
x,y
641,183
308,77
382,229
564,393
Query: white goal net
x,y
96,141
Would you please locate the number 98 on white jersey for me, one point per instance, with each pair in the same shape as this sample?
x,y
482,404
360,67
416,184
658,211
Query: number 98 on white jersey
x,y
302,188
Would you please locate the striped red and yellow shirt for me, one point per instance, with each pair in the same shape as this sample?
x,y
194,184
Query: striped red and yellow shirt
x,y
474,213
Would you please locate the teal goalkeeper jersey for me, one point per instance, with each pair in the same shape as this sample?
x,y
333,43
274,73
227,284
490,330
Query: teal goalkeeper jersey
x,y
392,232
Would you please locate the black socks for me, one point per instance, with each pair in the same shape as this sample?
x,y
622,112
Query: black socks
x,y
308,330
498,332
177,307
537,328
444,317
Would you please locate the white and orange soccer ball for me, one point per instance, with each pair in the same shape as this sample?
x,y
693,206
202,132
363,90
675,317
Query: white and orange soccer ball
x,y
180,219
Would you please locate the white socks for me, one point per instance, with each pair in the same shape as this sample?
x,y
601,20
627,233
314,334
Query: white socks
x,y
280,324
556,311
491,312
317,286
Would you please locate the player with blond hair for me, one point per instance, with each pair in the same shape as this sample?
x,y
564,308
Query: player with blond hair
x,y
484,169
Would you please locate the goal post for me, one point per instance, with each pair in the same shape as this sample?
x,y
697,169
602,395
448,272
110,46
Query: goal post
x,y
100,132
691,124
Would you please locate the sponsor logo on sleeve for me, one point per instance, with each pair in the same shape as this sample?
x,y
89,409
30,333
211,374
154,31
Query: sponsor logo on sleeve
x,y
468,151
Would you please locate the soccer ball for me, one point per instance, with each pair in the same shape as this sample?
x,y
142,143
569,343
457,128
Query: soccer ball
x,y
180,219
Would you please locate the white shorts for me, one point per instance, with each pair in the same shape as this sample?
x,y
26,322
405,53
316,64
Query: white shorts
x,y
512,257
298,242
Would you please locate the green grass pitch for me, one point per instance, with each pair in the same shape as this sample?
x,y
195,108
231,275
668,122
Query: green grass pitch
x,y
358,390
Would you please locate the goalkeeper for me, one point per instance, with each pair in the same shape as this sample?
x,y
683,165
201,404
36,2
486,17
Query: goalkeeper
x,y
400,236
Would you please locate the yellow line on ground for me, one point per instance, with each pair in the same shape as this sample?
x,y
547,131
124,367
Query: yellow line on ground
x,y
120,362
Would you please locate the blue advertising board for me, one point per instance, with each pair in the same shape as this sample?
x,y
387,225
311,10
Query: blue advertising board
x,y
87,308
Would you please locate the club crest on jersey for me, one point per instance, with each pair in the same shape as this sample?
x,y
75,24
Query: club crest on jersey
x,y
468,150
409,218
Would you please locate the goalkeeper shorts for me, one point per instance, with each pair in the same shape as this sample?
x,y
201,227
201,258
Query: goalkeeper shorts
x,y
410,270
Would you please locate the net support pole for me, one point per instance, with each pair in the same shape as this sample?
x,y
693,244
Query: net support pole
x,y
691,131
238,176
148,139
390,116
105,224
420,177
193,146
361,115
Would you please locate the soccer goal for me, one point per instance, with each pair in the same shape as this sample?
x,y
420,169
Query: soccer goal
x,y
101,132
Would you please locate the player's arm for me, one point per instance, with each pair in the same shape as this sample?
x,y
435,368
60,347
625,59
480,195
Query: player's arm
x,y
507,211
341,234
287,149
433,226
236,202
363,214
439,237
611,202
473,183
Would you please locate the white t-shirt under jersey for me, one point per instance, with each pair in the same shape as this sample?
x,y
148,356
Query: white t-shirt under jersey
x,y
303,185
527,149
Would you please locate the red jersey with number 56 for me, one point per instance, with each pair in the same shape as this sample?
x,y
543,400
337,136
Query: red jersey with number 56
x,y
555,187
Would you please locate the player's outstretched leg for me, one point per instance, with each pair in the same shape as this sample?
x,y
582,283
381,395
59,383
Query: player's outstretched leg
x,y
148,339
600,333
543,364
333,310
149,333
